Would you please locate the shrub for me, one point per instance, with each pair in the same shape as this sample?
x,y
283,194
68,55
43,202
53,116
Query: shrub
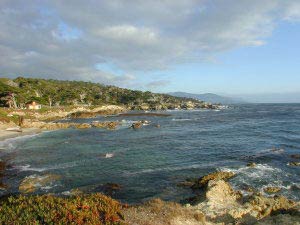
x,y
48,209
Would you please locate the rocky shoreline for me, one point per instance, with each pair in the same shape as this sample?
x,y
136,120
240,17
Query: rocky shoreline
x,y
218,204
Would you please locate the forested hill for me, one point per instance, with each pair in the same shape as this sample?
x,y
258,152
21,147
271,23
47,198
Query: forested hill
x,y
62,93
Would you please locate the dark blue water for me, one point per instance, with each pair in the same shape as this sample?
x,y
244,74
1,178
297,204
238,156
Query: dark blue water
x,y
150,162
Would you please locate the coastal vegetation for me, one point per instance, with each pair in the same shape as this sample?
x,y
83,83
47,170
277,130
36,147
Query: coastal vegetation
x,y
47,209
15,93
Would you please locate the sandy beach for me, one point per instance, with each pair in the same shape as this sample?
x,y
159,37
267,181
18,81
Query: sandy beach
x,y
4,134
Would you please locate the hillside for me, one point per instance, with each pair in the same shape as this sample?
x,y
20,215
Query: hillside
x,y
208,97
17,92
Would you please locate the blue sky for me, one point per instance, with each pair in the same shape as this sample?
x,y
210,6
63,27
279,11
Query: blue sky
x,y
271,68
246,48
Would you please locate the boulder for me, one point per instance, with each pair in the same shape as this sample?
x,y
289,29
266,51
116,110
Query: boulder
x,y
251,164
110,125
271,190
295,156
261,206
109,188
82,126
294,163
203,181
137,125
34,182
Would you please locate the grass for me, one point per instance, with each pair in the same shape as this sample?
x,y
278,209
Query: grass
x,y
158,212
48,209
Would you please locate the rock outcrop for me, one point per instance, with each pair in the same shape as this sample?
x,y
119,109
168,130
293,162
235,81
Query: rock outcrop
x,y
224,204
271,190
34,182
137,125
294,163
219,175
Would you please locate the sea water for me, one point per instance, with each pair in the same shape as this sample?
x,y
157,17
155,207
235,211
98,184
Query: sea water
x,y
150,162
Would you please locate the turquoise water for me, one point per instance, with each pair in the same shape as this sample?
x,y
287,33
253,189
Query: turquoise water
x,y
151,161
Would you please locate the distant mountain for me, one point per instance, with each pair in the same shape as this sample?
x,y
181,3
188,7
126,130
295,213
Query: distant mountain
x,y
208,97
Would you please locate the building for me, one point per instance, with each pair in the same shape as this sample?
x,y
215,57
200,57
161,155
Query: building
x,y
33,105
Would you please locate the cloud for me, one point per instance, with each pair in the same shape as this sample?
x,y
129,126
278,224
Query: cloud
x,y
55,39
157,84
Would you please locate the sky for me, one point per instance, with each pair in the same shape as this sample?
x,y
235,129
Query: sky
x,y
246,48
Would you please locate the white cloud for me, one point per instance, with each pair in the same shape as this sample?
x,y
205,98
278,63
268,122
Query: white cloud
x,y
52,38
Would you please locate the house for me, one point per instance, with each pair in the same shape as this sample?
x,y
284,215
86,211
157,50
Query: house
x,y
33,105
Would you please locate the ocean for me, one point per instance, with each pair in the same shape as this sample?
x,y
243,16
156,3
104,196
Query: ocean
x,y
151,161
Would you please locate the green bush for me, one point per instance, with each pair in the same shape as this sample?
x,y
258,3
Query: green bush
x,y
48,209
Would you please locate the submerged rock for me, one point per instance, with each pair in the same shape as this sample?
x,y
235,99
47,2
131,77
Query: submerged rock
x,y
294,164
137,125
219,175
32,183
272,189
251,164
109,188
295,156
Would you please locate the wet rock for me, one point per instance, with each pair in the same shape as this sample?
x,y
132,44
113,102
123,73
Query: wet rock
x,y
2,170
251,164
203,181
295,156
82,126
145,122
137,125
294,164
288,218
272,189
34,182
110,125
56,126
187,183
277,150
109,188
157,125
83,115
247,188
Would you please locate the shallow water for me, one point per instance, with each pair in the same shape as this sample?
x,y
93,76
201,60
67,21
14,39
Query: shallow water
x,y
149,162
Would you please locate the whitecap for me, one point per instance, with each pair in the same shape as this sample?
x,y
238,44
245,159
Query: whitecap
x,y
183,119
9,144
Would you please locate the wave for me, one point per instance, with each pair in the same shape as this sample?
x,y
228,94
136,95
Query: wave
x,y
28,167
259,171
174,119
10,142
170,169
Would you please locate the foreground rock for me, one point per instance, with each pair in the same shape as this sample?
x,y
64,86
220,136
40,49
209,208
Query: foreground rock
x,y
219,175
224,204
32,183
271,190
